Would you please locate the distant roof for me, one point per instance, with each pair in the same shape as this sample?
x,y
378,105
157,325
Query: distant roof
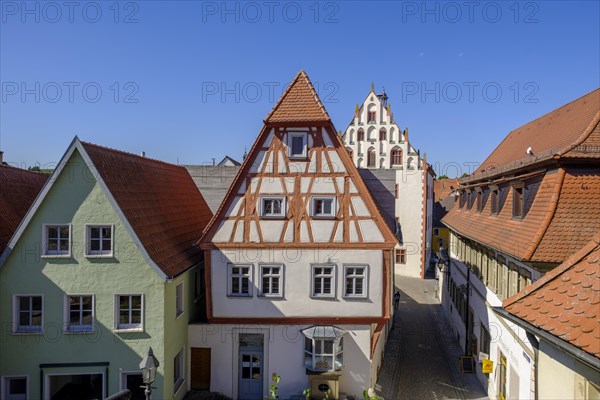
x,y
566,301
443,187
161,203
231,160
299,103
554,133
18,190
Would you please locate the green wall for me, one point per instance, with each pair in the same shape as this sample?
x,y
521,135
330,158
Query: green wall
x,y
77,198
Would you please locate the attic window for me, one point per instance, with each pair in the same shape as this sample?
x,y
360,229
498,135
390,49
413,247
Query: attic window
x,y
272,207
371,116
518,202
479,200
297,144
494,201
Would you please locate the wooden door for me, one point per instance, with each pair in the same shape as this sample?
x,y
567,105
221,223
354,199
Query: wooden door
x,y
200,368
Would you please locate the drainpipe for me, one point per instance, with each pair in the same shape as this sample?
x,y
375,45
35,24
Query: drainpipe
x,y
467,311
536,350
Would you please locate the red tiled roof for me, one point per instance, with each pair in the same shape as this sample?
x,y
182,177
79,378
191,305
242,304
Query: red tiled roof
x,y
18,190
553,133
161,203
443,187
561,214
566,301
299,103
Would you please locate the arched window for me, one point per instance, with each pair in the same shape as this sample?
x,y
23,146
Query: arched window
x,y
351,135
359,162
371,113
382,134
371,158
350,152
396,156
382,163
361,135
409,163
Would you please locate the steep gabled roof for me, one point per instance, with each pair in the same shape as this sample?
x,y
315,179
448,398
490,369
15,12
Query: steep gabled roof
x,y
552,134
443,187
566,301
161,203
299,103
158,203
18,190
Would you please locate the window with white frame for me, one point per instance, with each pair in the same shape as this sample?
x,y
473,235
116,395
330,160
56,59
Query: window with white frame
x,y
99,240
271,278
57,240
79,313
272,207
323,348
297,144
323,281
323,207
179,299
355,281
15,388
178,371
130,309
28,314
240,277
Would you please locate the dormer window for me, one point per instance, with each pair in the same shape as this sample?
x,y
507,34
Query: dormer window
x,y
297,145
518,202
494,201
272,207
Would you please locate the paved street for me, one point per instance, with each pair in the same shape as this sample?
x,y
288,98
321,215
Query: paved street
x,y
421,357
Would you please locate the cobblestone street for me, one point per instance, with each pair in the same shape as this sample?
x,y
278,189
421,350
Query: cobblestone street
x,y
422,356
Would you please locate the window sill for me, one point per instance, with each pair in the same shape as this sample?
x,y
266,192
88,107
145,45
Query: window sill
x,y
323,216
22,333
270,296
99,255
299,158
79,332
179,315
56,256
322,297
239,296
128,330
351,298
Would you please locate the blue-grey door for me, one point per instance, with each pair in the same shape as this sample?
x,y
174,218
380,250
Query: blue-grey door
x,y
251,374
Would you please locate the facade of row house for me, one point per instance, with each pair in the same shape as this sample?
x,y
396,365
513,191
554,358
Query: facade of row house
x,y
101,268
298,266
561,314
374,141
530,205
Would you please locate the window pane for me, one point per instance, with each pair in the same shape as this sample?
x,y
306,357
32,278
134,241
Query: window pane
x,y
52,232
17,386
359,286
136,302
95,233
245,285
327,206
124,302
64,244
95,245
235,285
297,145
24,303
327,285
307,344
24,318
318,288
136,317
124,317
328,344
87,318
52,245
64,231
106,232
36,318
275,286
36,303
74,318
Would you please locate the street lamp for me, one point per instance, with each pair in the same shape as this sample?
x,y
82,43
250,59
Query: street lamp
x,y
149,365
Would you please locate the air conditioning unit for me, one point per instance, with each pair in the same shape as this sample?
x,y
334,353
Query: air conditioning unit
x,y
320,384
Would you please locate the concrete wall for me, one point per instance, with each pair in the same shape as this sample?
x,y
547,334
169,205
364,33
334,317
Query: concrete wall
x,y
77,198
223,340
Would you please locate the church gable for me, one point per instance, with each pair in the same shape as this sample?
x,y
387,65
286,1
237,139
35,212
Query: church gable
x,y
298,187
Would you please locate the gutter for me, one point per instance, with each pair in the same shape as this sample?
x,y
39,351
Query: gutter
x,y
574,351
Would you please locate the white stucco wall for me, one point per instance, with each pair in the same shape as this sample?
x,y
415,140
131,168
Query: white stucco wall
x,y
283,354
296,283
506,337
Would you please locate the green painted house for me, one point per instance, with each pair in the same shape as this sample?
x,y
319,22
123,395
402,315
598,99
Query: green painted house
x,y
102,267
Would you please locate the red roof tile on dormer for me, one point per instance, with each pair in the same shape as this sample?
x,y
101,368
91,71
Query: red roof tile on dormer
x,y
18,190
299,103
566,301
161,203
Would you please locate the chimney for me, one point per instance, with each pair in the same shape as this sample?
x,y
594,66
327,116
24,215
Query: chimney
x,y
1,157
214,160
143,154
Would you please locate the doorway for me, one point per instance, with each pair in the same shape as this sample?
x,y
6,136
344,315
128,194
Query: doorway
x,y
200,368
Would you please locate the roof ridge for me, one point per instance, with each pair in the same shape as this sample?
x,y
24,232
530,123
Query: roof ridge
x,y
129,154
299,75
556,272
12,167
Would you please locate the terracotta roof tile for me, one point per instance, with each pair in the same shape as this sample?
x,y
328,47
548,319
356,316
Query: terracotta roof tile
x,y
299,103
160,201
553,133
18,190
571,294
443,187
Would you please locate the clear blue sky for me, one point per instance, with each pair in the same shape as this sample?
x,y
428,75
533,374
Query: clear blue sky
x,y
186,81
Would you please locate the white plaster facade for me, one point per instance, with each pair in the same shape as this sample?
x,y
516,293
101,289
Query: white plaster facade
x,y
375,141
506,338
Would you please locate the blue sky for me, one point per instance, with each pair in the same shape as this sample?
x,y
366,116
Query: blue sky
x,y
187,81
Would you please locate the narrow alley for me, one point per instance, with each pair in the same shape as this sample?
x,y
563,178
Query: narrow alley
x,y
422,356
